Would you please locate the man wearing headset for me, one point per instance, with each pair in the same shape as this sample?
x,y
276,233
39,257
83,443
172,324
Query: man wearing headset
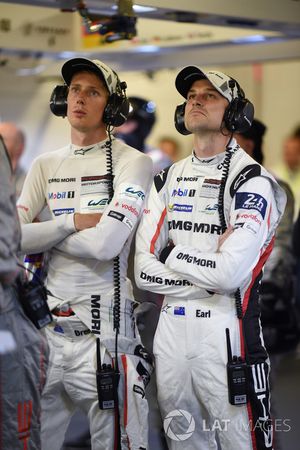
x,y
206,232
93,192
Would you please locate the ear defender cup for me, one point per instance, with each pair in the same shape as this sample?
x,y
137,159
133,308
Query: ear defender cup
x,y
179,119
116,110
239,115
114,114
58,100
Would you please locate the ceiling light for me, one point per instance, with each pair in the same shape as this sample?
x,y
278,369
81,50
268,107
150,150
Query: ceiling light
x,y
147,48
248,39
139,8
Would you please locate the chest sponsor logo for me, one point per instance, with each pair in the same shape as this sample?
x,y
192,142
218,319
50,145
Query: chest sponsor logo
x,y
95,178
179,311
100,202
61,180
210,188
180,208
208,228
61,195
97,184
203,314
165,281
210,208
187,179
252,201
183,192
58,212
93,202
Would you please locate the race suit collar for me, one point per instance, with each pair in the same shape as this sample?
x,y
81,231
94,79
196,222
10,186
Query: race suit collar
x,y
213,160
210,161
78,150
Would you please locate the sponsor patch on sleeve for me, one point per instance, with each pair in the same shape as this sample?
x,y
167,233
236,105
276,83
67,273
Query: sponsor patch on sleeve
x,y
249,221
132,192
251,201
121,218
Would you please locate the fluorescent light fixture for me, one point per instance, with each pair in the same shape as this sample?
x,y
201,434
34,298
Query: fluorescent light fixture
x,y
142,9
250,39
26,72
67,55
147,48
139,8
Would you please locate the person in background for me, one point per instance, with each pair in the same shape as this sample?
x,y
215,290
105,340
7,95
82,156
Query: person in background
x,y
209,228
138,126
14,139
289,169
23,349
279,318
94,190
170,147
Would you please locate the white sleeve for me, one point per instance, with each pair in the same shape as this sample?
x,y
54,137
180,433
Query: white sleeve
x,y
106,240
40,236
151,238
242,252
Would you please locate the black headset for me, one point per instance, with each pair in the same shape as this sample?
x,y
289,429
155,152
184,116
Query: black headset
x,y
114,114
237,117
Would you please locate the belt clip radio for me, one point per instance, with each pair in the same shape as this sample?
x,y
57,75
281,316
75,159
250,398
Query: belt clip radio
x,y
236,376
107,383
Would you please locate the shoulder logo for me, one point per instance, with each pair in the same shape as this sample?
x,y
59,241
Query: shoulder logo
x,y
248,172
242,177
160,178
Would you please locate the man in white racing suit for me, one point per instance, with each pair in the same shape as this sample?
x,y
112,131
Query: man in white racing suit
x,y
207,229
93,192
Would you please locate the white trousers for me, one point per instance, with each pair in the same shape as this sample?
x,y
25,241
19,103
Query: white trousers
x,y
71,384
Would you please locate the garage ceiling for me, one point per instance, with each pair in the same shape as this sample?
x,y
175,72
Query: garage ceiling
x,y
37,34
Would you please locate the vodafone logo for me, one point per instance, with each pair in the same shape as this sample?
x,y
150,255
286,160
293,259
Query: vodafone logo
x,y
130,208
250,216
